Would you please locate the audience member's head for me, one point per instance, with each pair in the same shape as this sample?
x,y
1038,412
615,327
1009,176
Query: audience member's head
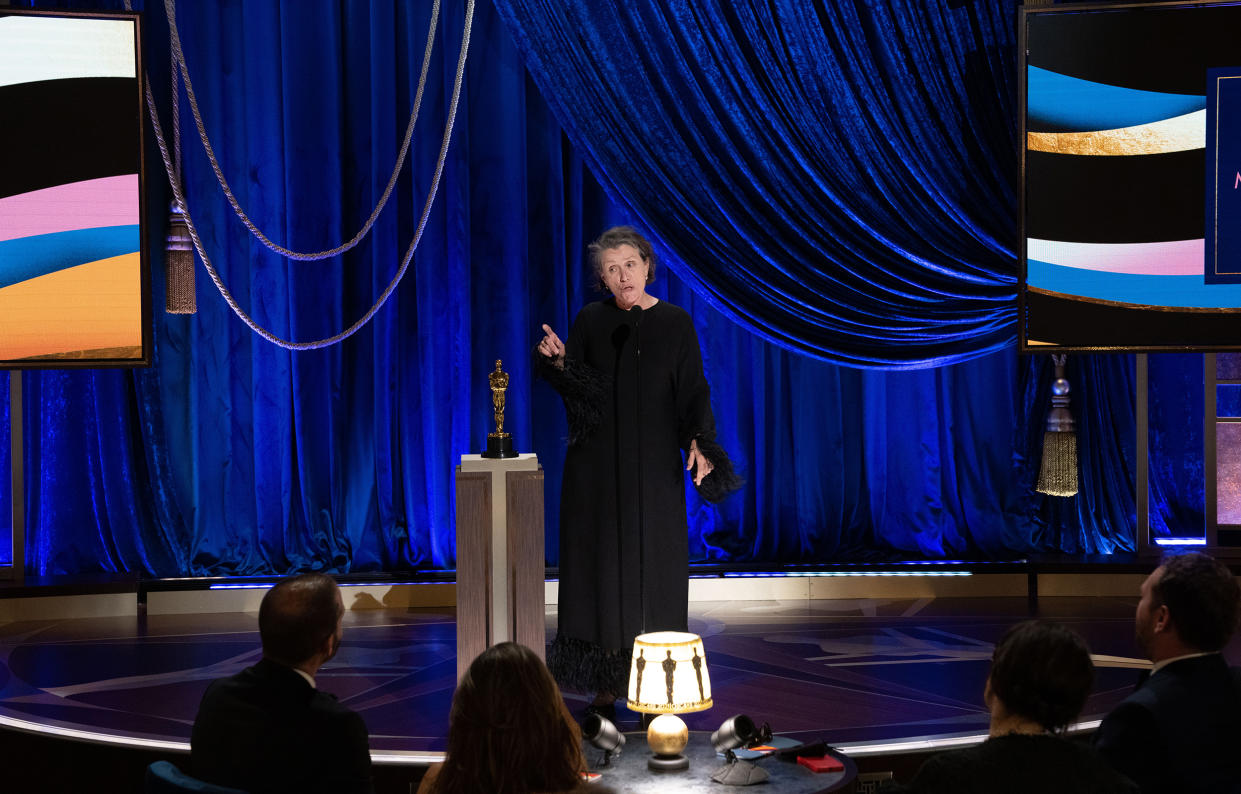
x,y
300,620
1041,673
509,729
1189,605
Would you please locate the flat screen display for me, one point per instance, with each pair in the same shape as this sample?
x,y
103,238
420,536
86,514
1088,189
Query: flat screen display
x,y
1131,169
73,285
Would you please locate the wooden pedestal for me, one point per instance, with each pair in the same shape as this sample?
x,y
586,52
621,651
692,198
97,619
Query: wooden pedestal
x,y
500,563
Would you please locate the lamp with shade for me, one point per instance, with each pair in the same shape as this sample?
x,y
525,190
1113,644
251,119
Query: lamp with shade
x,y
667,677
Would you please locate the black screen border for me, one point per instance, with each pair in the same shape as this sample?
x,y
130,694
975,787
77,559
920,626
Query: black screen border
x,y
1023,342
145,299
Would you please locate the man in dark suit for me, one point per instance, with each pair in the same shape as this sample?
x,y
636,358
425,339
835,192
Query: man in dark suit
x,y
1180,730
268,729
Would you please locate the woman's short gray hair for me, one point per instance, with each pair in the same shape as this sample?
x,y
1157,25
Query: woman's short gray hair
x,y
615,238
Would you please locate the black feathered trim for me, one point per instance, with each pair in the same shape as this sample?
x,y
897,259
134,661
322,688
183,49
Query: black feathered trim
x,y
584,389
722,480
586,667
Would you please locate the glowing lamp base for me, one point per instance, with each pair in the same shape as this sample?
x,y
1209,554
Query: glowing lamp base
x,y
667,737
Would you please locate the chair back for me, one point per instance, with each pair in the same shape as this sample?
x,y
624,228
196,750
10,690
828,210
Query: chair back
x,y
163,777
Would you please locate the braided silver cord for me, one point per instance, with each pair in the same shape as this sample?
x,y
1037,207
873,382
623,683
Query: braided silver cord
x,y
178,57
176,122
179,194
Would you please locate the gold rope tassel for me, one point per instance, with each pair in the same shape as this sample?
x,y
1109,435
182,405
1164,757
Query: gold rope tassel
x,y
1057,475
179,264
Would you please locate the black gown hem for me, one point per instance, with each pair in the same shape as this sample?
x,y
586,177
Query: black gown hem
x,y
588,667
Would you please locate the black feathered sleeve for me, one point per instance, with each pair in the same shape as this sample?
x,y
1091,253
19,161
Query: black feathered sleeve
x,y
723,479
584,389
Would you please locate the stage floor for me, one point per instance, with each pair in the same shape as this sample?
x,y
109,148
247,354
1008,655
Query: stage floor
x,y
859,673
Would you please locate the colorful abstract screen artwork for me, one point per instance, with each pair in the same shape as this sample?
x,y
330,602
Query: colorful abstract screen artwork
x,y
1130,211
72,276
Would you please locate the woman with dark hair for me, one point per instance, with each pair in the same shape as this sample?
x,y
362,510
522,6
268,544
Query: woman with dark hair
x,y
509,731
630,375
1041,674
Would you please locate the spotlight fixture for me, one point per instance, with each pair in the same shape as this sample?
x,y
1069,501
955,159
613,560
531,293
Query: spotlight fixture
x,y
738,731
601,733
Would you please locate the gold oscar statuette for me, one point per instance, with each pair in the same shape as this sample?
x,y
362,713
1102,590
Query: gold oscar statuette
x,y
499,443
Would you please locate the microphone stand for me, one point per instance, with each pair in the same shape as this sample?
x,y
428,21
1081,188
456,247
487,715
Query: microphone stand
x,y
619,336
636,313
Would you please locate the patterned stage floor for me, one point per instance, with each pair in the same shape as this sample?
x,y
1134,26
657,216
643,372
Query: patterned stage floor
x,y
848,671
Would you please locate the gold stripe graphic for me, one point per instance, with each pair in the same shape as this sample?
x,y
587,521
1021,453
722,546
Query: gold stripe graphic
x,y
1177,134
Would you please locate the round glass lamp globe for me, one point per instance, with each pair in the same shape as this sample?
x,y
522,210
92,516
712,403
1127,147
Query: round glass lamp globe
x,y
667,735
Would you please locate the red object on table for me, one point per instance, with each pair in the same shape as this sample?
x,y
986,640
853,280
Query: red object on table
x,y
822,763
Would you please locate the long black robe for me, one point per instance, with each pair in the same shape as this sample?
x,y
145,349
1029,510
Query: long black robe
x,y
626,419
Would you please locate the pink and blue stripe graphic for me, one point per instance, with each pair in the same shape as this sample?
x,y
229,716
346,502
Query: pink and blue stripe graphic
x,y
55,228
1142,274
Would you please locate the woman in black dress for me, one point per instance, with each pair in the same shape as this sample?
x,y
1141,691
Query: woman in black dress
x,y
630,374
1041,675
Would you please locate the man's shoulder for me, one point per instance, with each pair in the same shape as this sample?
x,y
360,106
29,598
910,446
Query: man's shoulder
x,y
265,689
232,684
330,706
1182,685
262,674
1209,672
327,714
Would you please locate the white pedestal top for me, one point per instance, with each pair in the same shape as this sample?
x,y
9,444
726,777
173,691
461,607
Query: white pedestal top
x,y
525,461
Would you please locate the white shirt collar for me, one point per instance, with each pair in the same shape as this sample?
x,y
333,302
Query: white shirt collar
x,y
310,679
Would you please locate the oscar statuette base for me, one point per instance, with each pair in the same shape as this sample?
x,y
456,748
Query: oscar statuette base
x,y
499,445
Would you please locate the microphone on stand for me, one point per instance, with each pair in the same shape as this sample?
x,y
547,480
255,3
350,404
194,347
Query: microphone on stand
x,y
620,335
635,312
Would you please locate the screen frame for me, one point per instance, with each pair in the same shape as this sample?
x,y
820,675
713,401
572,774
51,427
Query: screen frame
x,y
1023,341
145,292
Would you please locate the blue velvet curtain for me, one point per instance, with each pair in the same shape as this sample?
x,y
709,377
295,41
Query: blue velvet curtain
x,y
343,457
837,177
1177,463
232,456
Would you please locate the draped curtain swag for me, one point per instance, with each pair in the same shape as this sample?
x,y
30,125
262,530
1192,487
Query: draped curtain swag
x,y
824,172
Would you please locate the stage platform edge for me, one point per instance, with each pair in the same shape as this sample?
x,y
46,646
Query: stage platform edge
x,y
1060,576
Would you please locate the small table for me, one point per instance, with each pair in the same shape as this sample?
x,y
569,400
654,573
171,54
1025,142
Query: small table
x,y
628,773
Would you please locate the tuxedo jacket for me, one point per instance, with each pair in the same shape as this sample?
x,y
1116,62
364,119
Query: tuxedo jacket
x,y
1180,730
268,730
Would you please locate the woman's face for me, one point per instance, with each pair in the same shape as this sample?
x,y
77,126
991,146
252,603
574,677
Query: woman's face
x,y
624,273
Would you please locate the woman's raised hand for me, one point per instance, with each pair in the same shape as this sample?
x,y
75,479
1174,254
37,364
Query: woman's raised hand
x,y
551,346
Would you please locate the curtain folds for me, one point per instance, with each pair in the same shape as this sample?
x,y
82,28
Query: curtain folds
x,y
836,192
836,177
